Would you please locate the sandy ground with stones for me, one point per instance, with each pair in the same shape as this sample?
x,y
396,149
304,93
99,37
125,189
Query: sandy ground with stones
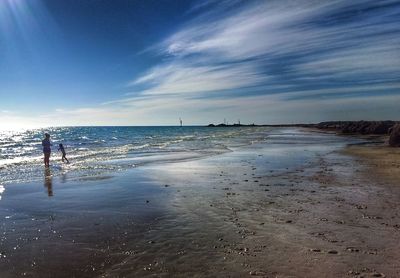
x,y
336,216
254,212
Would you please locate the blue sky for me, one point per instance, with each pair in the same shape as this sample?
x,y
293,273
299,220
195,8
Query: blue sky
x,y
120,62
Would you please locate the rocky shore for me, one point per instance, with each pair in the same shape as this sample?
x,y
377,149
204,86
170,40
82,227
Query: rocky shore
x,y
390,128
360,127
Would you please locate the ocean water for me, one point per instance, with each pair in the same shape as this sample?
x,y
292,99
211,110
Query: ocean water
x,y
98,150
95,150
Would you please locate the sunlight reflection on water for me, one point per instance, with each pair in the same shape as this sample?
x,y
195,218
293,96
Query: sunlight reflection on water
x,y
1,190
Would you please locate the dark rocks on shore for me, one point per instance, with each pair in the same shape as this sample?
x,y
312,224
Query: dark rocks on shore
x,y
391,128
360,127
394,139
346,127
228,125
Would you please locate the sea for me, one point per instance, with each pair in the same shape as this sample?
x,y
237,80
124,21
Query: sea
x,y
95,151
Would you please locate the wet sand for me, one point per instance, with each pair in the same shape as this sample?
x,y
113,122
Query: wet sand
x,y
294,210
383,161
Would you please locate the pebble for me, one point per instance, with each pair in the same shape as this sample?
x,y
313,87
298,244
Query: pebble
x,y
353,272
361,207
352,249
257,273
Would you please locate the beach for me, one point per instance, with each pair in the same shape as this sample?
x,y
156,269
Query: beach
x,y
298,204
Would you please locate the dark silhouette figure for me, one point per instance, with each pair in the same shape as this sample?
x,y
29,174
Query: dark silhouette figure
x,y
61,148
46,149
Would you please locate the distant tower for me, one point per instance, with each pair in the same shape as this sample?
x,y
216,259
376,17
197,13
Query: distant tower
x,y
224,121
180,121
239,121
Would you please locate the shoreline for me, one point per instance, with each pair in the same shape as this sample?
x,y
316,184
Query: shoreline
x,y
284,211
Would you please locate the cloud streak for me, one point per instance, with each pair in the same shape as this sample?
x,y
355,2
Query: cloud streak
x,y
308,48
262,60
281,43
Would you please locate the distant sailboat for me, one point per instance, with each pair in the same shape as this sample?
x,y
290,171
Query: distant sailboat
x,y
180,121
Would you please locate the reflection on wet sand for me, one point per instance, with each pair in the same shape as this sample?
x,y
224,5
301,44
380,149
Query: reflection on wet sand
x,y
1,190
63,177
48,181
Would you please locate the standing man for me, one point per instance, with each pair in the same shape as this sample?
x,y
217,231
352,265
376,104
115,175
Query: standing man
x,y
46,149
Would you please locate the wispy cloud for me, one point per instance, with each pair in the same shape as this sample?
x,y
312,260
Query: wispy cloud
x,y
280,42
309,48
184,77
262,60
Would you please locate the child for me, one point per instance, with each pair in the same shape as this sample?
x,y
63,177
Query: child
x,y
61,148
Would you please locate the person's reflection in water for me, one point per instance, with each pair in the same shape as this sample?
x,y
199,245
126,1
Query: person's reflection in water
x,y
63,177
48,181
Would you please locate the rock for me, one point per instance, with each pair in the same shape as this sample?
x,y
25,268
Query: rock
x,y
361,206
352,249
257,273
394,139
362,127
378,275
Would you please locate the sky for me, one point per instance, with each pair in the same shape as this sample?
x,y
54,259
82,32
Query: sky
x,y
131,62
